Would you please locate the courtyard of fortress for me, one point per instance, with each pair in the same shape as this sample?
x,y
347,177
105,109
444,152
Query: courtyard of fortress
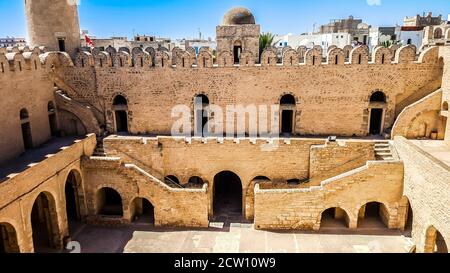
x,y
351,142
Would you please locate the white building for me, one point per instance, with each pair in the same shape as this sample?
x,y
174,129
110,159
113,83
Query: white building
x,y
411,36
311,40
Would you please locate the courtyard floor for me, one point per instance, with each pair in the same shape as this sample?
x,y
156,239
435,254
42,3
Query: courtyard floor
x,y
224,237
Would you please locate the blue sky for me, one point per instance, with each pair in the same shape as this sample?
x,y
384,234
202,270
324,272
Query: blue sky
x,y
183,18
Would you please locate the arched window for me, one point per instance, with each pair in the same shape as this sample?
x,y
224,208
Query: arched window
x,y
195,180
378,97
445,106
287,100
24,114
438,33
119,100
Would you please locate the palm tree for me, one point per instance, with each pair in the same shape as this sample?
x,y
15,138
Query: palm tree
x,y
265,41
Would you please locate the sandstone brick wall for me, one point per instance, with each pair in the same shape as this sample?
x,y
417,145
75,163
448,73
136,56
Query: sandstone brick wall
x,y
172,207
444,54
166,156
301,209
331,99
421,119
23,84
426,186
335,158
18,194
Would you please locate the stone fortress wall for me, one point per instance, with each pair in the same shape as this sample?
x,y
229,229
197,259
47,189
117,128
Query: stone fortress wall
x,y
317,88
332,97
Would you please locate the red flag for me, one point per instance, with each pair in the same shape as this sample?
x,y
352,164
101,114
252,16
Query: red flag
x,y
88,41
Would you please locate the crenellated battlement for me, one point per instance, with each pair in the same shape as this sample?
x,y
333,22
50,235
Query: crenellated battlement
x,y
25,59
180,59
19,59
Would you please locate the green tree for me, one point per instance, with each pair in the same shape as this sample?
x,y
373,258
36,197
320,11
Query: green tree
x,y
265,41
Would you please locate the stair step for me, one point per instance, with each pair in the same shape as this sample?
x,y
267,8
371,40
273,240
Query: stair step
x,y
381,145
384,154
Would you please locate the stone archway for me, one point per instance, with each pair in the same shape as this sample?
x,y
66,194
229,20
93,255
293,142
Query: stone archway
x,y
228,197
74,200
109,202
143,211
44,223
8,239
434,241
373,215
334,218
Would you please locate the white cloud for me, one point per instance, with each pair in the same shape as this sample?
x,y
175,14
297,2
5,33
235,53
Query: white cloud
x,y
374,2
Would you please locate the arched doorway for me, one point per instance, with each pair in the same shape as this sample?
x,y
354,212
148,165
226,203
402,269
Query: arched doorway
x,y
287,113
373,215
72,189
109,202
334,218
44,224
195,182
227,194
237,51
201,115
26,129
377,106
434,241
8,239
144,212
52,119
120,108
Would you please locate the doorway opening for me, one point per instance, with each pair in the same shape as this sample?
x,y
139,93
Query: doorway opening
x,y
227,194
44,224
376,119
144,211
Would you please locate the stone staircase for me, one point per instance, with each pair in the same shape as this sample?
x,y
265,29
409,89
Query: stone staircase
x,y
383,151
99,149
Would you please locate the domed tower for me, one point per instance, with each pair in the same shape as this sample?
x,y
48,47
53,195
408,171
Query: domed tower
x,y
54,24
238,33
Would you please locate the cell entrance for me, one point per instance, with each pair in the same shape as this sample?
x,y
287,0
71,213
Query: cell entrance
x,y
286,121
121,121
144,212
227,194
376,118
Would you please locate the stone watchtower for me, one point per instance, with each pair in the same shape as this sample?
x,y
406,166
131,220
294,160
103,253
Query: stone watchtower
x,y
53,24
238,33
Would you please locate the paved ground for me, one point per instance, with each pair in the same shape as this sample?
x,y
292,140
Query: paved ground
x,y
438,149
237,238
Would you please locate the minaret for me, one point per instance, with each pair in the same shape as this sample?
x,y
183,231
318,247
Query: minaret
x,y
53,24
